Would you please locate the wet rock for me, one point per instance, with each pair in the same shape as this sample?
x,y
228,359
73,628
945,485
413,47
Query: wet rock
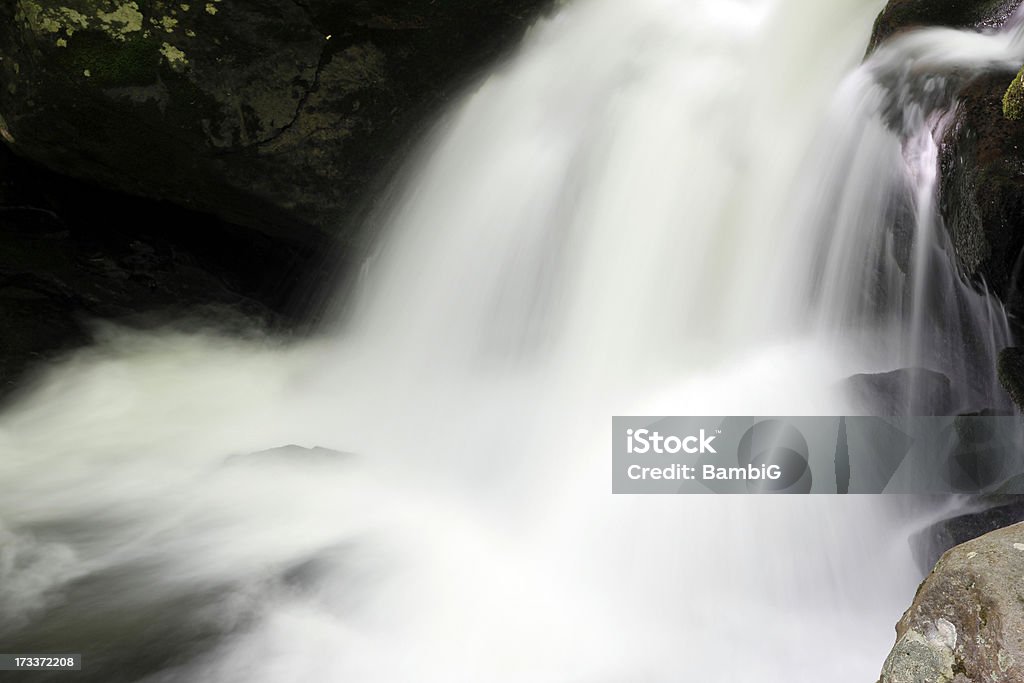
x,y
995,513
274,114
895,393
71,254
903,15
966,624
1011,374
982,188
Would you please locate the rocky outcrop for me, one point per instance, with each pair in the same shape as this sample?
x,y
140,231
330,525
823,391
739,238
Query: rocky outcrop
x,y
903,15
982,189
981,155
207,155
981,193
966,624
71,253
274,114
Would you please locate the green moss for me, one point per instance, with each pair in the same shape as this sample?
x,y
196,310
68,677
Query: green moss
x,y
132,62
1013,99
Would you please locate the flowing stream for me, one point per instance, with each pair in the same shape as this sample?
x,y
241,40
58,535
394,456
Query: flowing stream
x,y
678,207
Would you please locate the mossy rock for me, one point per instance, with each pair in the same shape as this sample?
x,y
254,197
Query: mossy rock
x,y
276,115
1013,100
133,62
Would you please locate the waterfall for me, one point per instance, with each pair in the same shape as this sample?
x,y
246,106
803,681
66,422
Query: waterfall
x,y
631,215
884,279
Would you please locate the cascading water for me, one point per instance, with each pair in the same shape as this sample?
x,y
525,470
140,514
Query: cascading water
x,y
605,226
883,273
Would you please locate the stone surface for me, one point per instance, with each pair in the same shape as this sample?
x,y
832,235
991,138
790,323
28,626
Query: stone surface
x,y
72,254
982,188
966,624
275,114
993,513
173,158
1011,374
903,15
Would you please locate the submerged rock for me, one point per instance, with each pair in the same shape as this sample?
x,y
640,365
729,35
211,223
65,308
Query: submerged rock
x,y
896,392
274,114
966,624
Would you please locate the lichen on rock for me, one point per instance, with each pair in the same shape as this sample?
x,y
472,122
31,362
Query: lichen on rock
x,y
919,659
51,19
116,20
240,108
966,624
174,56
122,20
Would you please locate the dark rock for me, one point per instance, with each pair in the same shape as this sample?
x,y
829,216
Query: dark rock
x,y
982,188
1011,374
916,391
903,15
71,253
966,624
274,114
931,543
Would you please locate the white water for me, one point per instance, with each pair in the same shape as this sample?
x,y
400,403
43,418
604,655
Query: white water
x,y
605,226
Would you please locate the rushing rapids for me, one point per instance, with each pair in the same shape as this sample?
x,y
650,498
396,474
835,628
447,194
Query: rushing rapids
x,y
633,215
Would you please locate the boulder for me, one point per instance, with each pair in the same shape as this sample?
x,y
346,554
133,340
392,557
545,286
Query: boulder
x,y
966,624
903,15
272,114
982,188
994,513
71,254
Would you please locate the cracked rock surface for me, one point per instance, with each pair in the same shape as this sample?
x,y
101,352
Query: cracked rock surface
x,y
966,624
273,114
